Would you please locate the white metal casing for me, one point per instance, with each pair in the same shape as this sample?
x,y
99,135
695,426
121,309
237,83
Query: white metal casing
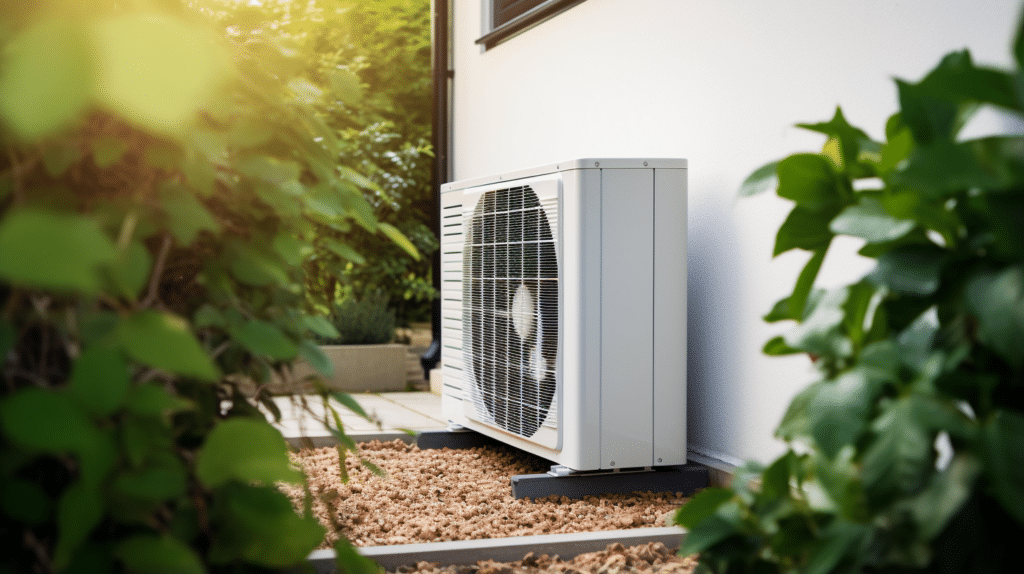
x,y
620,232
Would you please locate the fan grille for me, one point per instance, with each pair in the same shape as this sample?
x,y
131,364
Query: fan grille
x,y
510,306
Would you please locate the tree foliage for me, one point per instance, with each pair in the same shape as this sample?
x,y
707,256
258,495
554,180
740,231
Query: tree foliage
x,y
165,188
906,455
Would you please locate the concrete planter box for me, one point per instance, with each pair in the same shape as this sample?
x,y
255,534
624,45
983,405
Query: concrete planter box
x,y
357,369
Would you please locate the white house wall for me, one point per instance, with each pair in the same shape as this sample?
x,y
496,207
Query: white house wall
x,y
720,83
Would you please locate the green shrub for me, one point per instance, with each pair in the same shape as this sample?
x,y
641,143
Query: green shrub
x,y
365,321
925,350
162,191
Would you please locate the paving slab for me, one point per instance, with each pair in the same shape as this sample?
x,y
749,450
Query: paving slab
x,y
416,411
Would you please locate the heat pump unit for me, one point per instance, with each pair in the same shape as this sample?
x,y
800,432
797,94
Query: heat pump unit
x,y
564,311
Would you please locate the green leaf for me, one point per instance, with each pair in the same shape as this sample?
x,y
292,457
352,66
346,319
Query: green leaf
x,y
108,150
165,479
350,403
803,229
253,267
130,270
60,155
46,76
291,249
270,169
900,458
358,208
320,325
99,380
52,250
27,419
929,118
1003,459
820,333
942,168
913,269
763,179
25,501
997,300
957,79
868,220
79,511
848,137
244,450
712,530
164,341
346,86
163,554
350,561
154,69
153,400
316,358
839,411
344,251
945,495
209,316
186,215
839,540
259,525
266,339
399,238
809,180
798,300
895,150
701,506
777,347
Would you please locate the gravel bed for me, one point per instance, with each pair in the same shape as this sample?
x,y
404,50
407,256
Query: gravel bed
x,y
444,495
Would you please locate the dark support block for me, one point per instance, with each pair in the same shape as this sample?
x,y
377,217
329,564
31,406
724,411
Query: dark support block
x,y
455,440
685,479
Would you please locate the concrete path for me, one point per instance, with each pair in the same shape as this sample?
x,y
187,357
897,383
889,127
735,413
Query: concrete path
x,y
414,411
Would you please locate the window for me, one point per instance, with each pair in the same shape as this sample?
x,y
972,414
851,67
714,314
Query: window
x,y
509,17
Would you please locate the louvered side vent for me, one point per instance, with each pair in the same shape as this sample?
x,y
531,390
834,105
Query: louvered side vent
x,y
510,309
451,289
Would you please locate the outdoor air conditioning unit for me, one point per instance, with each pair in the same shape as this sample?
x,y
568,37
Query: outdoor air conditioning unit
x,y
564,311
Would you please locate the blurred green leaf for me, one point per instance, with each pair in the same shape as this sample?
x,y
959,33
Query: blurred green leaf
x,y
260,526
898,460
712,530
270,169
809,180
164,341
106,151
868,220
316,358
911,269
802,229
163,554
763,179
350,403
27,419
350,561
46,77
838,541
929,118
266,339
777,346
1003,460
53,250
320,325
344,251
944,496
346,87
25,501
399,238
941,168
895,150
997,300
163,479
819,334
79,511
957,79
186,215
244,450
99,380
152,400
797,303
702,505
840,410
849,137
154,69
131,268
60,155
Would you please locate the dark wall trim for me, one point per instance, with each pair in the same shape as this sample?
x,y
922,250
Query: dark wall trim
x,y
525,20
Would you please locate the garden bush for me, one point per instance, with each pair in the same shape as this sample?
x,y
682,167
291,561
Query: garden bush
x,y
365,321
164,191
907,455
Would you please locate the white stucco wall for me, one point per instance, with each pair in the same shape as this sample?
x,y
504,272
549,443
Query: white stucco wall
x,y
720,83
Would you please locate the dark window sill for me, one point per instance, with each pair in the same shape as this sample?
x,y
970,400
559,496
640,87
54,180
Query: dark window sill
x,y
526,20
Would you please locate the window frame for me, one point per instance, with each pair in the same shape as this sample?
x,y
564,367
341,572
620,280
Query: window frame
x,y
539,13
